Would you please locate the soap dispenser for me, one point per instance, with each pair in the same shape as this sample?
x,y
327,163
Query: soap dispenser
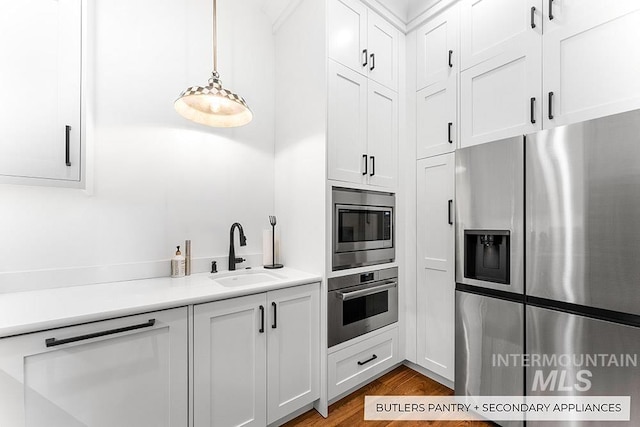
x,y
178,264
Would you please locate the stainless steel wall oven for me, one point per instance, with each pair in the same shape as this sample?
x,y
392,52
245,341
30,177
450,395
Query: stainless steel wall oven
x,y
363,228
361,303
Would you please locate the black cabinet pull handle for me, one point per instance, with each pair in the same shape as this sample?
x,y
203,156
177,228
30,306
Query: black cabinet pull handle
x,y
533,16
67,145
450,206
550,105
449,126
365,55
550,10
372,358
275,309
366,164
261,320
450,59
373,166
532,106
52,342
373,61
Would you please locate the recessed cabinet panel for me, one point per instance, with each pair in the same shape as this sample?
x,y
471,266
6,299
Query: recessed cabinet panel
x,y
491,27
383,52
436,119
438,52
436,275
347,124
347,33
40,86
590,62
382,136
500,98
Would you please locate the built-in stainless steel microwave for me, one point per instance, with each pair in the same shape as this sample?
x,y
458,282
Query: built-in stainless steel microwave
x,y
363,228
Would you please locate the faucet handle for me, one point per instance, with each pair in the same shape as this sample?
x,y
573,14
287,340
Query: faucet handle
x,y
239,260
214,266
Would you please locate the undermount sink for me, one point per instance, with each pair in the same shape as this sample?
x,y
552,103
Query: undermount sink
x,y
245,277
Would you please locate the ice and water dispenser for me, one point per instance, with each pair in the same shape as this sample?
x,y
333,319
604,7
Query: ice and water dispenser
x,y
486,255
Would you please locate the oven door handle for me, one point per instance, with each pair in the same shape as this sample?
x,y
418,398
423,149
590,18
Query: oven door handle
x,y
346,296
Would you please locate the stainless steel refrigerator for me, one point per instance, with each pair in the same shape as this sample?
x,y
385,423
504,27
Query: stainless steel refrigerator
x,y
574,255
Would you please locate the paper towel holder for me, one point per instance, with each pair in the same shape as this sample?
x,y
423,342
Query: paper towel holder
x,y
273,265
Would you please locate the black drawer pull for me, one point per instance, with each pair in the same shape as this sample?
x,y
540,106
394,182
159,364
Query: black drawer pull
x,y
372,358
52,342
533,16
366,58
67,143
261,320
373,61
550,105
366,164
275,309
449,212
550,9
449,126
533,108
450,59
373,165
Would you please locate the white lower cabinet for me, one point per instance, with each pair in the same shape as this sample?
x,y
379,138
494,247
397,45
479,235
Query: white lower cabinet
x,y
256,358
130,371
435,275
351,366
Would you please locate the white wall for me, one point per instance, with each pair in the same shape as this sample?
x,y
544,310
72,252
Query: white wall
x,y
158,179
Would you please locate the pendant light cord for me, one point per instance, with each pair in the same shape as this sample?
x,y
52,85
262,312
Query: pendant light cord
x,y
215,39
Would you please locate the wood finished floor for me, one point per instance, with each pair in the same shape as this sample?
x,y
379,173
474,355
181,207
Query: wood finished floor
x,y
402,381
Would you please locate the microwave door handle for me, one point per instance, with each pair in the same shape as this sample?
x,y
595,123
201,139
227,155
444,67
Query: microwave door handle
x,y
346,296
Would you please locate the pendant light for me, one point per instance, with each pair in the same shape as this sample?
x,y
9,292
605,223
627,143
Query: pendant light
x,y
213,105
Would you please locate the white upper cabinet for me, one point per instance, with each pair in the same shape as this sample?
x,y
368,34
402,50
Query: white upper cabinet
x,y
347,124
363,41
438,51
130,371
490,28
436,113
591,60
501,84
40,85
362,129
382,136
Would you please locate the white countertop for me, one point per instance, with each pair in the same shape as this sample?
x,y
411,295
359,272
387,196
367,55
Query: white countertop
x,y
24,312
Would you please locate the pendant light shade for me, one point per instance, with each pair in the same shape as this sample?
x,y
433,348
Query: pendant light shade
x,y
213,105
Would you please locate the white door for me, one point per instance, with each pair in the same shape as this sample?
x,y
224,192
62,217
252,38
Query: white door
x,y
436,276
347,124
438,49
40,84
229,362
436,119
347,34
382,136
500,97
130,371
591,60
293,349
383,44
490,28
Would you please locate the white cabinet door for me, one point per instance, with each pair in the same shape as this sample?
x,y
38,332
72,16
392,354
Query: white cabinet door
x,y
229,363
436,276
437,54
293,349
591,60
382,144
382,44
491,27
500,97
347,34
40,85
130,371
347,124
436,119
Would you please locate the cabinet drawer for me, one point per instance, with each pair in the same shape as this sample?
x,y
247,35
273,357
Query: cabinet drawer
x,y
356,364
